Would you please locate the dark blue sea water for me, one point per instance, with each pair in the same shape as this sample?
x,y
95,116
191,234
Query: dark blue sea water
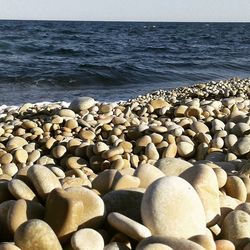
x,y
52,61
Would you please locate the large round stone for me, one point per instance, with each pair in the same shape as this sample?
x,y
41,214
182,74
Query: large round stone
x,y
171,207
36,235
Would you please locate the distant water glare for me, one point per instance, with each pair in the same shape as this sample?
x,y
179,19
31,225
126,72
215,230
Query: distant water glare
x,y
58,61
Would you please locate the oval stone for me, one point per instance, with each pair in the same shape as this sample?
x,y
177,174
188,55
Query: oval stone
x,y
164,208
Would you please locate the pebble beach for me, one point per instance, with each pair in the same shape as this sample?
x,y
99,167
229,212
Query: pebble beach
x,y
168,170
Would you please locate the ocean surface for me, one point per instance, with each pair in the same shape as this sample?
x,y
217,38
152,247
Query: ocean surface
x,y
58,61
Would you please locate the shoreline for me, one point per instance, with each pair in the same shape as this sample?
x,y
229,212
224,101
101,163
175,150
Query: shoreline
x,y
173,163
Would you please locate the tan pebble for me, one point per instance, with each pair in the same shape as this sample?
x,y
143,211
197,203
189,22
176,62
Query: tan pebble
x,y
148,174
182,197
112,152
180,110
170,151
94,209
193,111
221,176
127,146
235,228
43,179
36,233
116,246
104,181
45,160
56,120
204,181
151,152
185,149
20,190
6,158
100,147
21,156
50,143
29,124
126,181
21,211
224,245
71,124
34,156
199,127
235,188
144,141
87,239
76,162
10,169
8,246
59,151
64,213
205,241
172,242
230,140
242,146
67,113
172,166
86,134
129,227
15,142
246,181
157,246
159,103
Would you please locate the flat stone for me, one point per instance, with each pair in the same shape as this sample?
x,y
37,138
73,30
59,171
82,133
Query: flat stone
x,y
8,246
15,142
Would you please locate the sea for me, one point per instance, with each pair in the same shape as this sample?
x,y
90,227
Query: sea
x,y
112,61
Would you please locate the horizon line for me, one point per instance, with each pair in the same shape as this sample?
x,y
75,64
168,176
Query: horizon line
x,y
118,21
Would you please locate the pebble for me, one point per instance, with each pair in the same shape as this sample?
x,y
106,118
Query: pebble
x,y
128,226
147,174
81,103
204,181
43,180
36,235
87,239
166,214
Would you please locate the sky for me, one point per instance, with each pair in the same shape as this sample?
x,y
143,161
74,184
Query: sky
x,y
128,10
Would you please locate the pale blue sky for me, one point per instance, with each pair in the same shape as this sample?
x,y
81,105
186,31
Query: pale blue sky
x,y
132,10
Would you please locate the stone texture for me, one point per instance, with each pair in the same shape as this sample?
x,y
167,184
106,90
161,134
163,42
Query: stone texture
x,y
36,235
43,180
204,181
87,239
172,166
147,174
165,205
127,226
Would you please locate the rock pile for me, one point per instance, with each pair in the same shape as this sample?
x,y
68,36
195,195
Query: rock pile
x,y
168,170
